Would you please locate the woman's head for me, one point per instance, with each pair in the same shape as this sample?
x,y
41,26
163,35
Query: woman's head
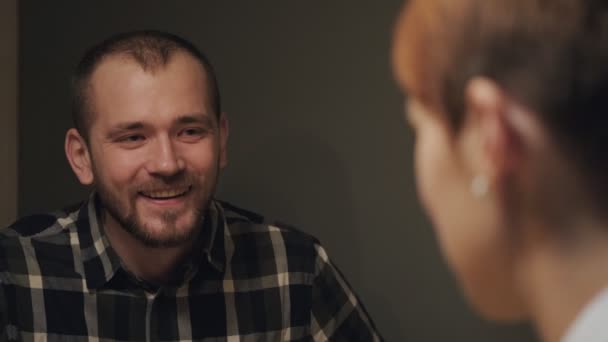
x,y
509,100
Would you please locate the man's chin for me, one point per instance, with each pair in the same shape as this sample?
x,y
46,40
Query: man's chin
x,y
160,240
161,234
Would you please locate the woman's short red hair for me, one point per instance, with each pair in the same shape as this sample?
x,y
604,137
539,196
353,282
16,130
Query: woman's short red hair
x,y
550,55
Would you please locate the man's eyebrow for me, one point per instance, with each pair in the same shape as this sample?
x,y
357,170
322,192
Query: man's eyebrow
x,y
195,118
124,127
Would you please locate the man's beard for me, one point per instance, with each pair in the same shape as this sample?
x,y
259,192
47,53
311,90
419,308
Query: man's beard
x,y
126,215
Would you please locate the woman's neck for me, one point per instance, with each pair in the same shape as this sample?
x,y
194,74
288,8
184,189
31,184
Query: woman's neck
x,y
559,277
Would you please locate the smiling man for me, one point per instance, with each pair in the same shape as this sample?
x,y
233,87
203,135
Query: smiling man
x,y
151,255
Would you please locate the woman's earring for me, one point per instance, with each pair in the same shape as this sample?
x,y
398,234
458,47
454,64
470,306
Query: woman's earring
x,y
479,186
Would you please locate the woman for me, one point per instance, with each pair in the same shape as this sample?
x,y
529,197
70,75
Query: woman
x,y
509,102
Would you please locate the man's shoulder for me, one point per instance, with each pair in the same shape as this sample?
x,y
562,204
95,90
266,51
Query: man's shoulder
x,y
245,222
38,245
29,226
33,236
40,226
257,239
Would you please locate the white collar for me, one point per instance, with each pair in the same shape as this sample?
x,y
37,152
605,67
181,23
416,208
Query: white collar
x,y
591,325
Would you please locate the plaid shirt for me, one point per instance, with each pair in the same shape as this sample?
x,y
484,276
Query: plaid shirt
x,y
249,281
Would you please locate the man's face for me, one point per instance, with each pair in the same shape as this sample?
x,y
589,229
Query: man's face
x,y
156,146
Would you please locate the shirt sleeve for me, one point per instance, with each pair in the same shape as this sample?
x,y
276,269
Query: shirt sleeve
x,y
337,313
3,314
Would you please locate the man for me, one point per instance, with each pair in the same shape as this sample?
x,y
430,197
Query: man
x,y
151,255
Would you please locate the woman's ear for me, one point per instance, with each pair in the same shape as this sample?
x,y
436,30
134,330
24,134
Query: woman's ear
x,y
77,153
494,143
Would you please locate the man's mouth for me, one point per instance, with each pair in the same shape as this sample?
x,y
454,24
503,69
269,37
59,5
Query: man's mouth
x,y
165,194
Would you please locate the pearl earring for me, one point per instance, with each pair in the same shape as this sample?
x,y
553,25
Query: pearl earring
x,y
479,186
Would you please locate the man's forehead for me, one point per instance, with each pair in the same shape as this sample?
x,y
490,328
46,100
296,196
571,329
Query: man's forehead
x,y
141,121
124,63
118,71
120,82
181,119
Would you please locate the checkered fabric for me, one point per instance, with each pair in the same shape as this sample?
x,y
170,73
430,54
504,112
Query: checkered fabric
x,y
60,280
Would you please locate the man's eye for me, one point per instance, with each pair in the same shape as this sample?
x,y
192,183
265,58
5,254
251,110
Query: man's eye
x,y
193,132
131,138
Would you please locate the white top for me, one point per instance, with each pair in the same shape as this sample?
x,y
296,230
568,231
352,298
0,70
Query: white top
x,y
591,325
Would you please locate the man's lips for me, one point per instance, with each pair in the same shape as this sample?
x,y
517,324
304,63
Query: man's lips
x,y
166,193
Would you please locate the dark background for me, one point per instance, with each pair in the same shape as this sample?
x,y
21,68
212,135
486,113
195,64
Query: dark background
x,y
317,137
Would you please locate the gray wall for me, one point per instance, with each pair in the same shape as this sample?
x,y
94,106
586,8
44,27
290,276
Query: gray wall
x,y
8,111
317,137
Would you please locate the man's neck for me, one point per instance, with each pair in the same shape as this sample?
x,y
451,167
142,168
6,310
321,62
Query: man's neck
x,y
153,264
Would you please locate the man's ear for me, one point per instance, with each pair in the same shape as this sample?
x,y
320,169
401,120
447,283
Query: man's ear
x,y
223,139
77,152
494,145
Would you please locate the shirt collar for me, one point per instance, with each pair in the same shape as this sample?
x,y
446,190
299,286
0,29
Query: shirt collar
x,y
210,245
101,263
590,324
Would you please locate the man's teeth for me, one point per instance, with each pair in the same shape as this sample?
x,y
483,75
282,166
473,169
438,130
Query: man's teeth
x,y
165,193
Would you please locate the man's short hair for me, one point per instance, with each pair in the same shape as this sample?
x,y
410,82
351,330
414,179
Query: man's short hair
x,y
550,55
150,49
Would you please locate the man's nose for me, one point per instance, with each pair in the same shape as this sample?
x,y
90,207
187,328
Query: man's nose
x,y
164,159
